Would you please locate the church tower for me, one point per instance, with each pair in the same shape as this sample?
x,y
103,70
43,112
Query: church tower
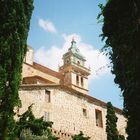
x,y
74,70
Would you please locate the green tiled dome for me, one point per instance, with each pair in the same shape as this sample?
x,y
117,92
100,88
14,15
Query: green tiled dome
x,y
75,51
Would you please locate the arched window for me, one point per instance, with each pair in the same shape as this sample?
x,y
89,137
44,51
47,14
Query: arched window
x,y
77,79
78,62
82,81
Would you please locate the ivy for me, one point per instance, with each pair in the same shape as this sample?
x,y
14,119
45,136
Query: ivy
x,y
14,26
121,31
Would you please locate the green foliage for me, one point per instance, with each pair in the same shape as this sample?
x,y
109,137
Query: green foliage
x,y
38,127
121,137
47,133
111,123
14,26
26,134
121,31
80,137
30,128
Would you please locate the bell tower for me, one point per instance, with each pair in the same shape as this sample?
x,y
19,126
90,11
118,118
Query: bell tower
x,y
74,70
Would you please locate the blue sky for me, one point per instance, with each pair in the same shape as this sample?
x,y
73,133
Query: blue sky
x,y
55,22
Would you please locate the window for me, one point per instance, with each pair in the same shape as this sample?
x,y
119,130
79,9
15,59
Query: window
x,y
98,115
78,62
47,96
77,79
68,60
82,81
46,116
84,112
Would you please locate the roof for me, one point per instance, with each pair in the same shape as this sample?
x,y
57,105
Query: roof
x,y
70,91
75,51
46,70
32,79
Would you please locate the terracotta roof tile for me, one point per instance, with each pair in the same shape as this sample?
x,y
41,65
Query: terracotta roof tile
x,y
32,78
46,70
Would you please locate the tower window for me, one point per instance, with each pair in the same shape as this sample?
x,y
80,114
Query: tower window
x,y
78,62
47,96
82,81
68,61
98,115
84,112
77,79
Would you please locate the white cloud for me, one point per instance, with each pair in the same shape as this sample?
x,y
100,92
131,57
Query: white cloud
x,y
53,57
47,25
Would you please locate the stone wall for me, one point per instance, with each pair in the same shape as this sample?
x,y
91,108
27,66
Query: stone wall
x,y
66,111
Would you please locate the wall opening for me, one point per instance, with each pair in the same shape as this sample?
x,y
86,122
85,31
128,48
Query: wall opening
x,y
47,96
98,115
78,62
67,61
84,112
77,79
82,81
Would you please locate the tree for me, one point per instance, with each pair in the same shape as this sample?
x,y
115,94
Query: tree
x,y
121,31
121,137
111,123
26,134
14,26
80,137
35,128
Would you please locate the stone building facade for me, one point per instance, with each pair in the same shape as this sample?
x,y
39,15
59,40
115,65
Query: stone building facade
x,y
63,97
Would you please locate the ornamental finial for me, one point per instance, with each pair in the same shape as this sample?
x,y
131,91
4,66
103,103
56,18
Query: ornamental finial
x,y
73,40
